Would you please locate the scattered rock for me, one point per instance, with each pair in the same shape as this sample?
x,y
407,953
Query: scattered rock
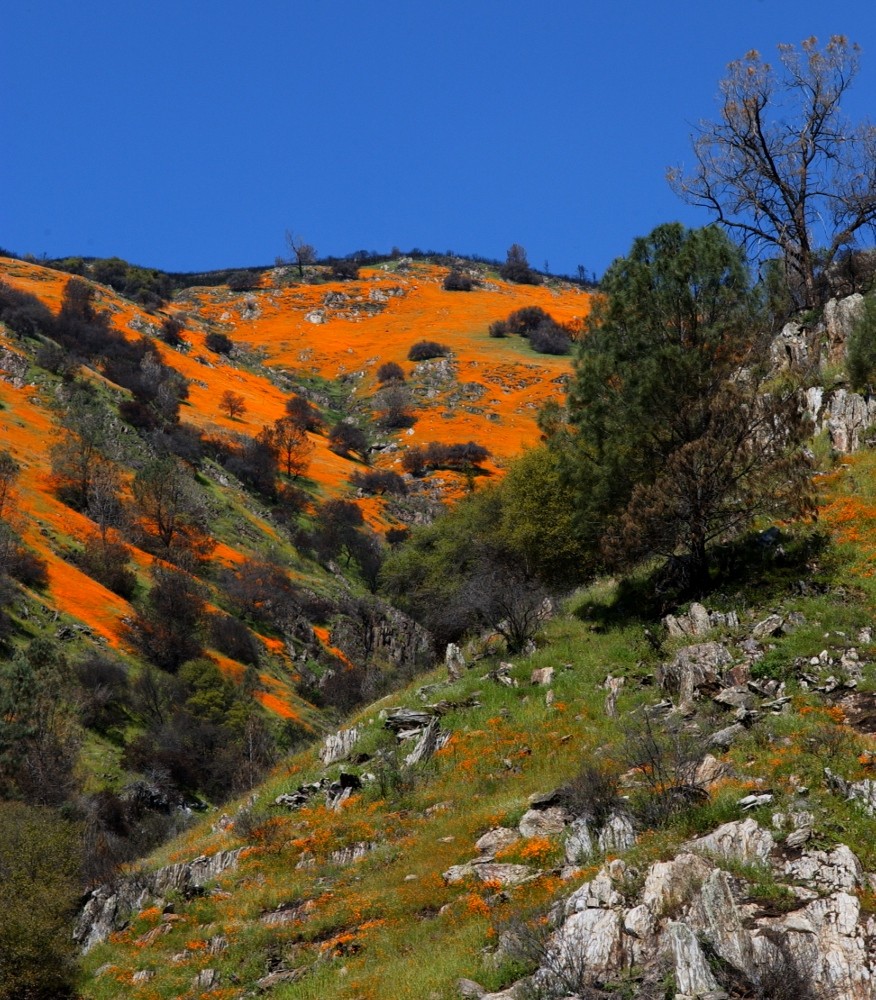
x,y
613,686
544,676
693,669
339,745
741,840
454,661
770,626
543,822
495,840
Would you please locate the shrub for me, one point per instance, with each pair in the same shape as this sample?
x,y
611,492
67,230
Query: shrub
x,y
499,328
171,332
861,358
219,343
456,281
345,437
396,536
231,637
443,456
523,321
303,413
394,404
344,270
390,371
104,691
550,338
39,870
109,563
423,350
379,481
167,629
243,281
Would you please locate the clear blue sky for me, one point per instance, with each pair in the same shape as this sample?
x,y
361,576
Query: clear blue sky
x,y
191,134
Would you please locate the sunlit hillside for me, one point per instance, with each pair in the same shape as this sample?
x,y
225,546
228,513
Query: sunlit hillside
x,y
325,340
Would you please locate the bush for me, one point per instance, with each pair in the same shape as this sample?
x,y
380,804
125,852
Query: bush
x,y
456,281
443,456
39,871
344,270
550,338
171,332
379,481
390,371
423,350
523,321
345,437
302,412
109,563
243,281
394,404
499,328
233,638
167,631
104,691
218,343
396,536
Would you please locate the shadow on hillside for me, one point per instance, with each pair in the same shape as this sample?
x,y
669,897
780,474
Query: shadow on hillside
x,y
753,570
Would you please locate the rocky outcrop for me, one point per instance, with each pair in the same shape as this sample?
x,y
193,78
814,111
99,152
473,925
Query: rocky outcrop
x,y
844,415
706,926
110,907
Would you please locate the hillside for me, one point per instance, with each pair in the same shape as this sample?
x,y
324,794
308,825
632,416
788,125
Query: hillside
x,y
320,343
489,391
616,792
699,796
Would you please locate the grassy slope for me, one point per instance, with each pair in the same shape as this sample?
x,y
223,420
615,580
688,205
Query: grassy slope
x,y
387,927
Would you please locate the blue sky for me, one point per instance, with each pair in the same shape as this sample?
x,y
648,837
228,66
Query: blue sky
x,y
190,135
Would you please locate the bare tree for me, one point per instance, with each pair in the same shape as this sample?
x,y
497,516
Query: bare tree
x,y
301,251
232,404
782,167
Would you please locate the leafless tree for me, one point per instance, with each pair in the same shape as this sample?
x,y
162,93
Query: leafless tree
x,y
301,252
782,167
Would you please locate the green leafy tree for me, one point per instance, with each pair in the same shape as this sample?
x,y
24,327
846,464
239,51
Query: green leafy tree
x,y
170,503
671,443
39,864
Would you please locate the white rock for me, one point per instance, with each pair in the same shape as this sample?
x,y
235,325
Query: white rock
x,y
579,843
693,976
741,840
543,822
494,840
